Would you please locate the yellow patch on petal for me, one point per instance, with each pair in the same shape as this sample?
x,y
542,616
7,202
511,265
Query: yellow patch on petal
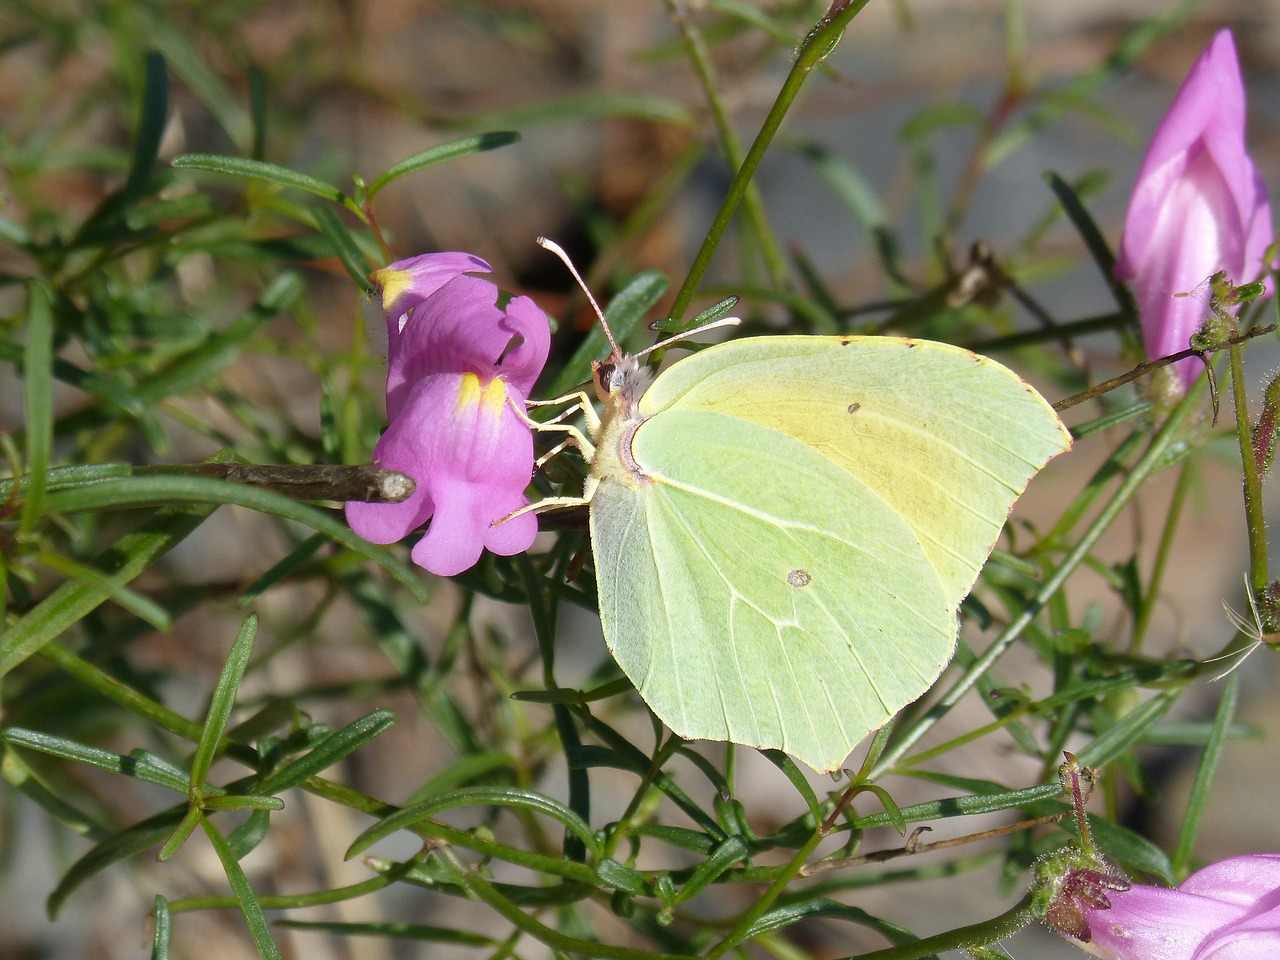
x,y
495,396
393,284
488,399
470,393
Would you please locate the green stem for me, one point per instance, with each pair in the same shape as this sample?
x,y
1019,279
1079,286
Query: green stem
x,y
815,48
1152,593
1150,460
742,926
480,889
753,206
974,935
1255,522
622,828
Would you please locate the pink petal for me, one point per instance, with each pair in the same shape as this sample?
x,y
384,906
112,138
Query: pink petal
x,y
410,281
522,364
1147,922
1242,880
458,329
472,458
1254,938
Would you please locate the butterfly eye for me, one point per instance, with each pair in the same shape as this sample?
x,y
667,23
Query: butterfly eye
x,y
605,376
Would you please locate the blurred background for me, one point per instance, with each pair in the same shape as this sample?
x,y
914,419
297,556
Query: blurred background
x,y
617,154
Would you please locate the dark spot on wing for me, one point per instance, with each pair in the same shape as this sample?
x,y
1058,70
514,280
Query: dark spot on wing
x,y
854,407
799,578
845,343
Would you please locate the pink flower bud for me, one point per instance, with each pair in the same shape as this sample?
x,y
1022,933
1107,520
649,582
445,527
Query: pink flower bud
x,y
1199,207
458,367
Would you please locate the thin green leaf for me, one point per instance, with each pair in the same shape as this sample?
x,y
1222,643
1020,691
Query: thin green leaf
x,y
163,929
223,701
797,778
439,154
123,561
259,170
191,65
155,116
258,111
186,827
119,846
234,801
245,838
156,490
394,931
21,777
731,851
1206,772
621,877
283,569
1095,242
464,770
782,917
477,796
344,246
327,752
37,366
141,607
65,749
1127,731
1131,849
247,899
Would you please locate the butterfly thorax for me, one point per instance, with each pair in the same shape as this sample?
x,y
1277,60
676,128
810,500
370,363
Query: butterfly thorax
x,y
619,385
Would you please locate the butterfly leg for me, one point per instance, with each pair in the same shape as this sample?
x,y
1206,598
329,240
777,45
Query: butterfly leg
x,y
554,503
580,403
575,437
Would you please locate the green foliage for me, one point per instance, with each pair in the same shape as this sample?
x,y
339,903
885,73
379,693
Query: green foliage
x,y
173,311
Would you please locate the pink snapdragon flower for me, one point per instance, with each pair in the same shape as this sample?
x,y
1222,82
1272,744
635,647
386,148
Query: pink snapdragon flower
x,y
457,367
1199,207
1230,910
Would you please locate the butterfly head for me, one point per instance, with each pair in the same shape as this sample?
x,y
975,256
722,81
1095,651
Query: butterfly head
x,y
620,381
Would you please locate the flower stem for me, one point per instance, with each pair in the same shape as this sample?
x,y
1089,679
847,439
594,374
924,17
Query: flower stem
x,y
974,935
753,207
815,48
1255,522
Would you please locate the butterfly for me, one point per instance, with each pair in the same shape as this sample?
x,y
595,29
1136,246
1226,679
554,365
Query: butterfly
x,y
783,527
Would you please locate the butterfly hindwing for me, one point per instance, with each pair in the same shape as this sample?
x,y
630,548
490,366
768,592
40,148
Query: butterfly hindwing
x,y
755,591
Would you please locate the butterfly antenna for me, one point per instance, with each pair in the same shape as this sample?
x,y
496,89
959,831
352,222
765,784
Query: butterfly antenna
x,y
722,322
558,250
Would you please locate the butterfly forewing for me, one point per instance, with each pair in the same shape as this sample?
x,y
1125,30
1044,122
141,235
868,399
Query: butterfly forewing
x,y
785,526
947,438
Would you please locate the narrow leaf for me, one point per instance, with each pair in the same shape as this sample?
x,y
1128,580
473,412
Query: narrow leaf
x,y
123,561
223,700
258,170
248,900
163,929
37,366
441,153
344,246
477,796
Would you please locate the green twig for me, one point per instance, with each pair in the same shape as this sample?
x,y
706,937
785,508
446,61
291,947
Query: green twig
x,y
816,47
1255,521
752,205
